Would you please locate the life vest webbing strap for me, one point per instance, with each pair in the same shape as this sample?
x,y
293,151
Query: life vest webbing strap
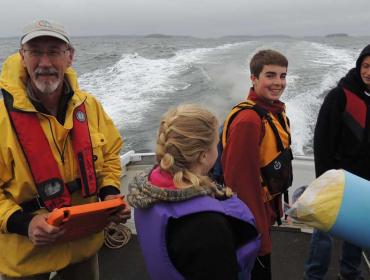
x,y
234,112
267,116
276,133
83,150
285,125
261,112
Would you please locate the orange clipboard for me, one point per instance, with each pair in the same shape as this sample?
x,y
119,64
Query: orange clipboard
x,y
83,220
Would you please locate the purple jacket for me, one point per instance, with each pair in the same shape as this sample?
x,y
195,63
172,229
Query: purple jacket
x,y
151,226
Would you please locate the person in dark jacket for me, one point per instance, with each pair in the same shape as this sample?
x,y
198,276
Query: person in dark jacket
x,y
342,140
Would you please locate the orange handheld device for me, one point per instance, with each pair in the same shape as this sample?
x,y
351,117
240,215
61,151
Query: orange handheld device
x,y
82,220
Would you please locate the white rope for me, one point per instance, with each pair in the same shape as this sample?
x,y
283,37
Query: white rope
x,y
116,235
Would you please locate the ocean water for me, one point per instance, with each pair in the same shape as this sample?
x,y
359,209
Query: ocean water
x,y
137,79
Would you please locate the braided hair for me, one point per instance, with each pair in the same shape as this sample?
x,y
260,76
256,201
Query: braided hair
x,y
184,134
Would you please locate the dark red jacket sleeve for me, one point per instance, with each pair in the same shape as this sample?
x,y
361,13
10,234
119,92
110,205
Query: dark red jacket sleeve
x,y
240,162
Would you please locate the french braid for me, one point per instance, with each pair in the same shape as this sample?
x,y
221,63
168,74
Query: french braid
x,y
184,133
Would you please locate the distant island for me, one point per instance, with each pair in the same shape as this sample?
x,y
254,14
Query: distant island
x,y
337,35
158,36
164,36
257,36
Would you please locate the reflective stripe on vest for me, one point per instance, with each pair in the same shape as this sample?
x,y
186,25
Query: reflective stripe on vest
x,y
44,168
151,226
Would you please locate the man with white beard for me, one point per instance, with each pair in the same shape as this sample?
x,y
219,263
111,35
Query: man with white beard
x,y
58,148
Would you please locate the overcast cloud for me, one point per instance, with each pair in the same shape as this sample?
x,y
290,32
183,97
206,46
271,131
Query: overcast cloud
x,y
204,18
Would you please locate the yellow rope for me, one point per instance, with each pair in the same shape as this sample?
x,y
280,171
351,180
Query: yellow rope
x,y
116,235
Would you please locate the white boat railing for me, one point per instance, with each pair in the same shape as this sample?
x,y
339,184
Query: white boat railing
x,y
303,167
132,156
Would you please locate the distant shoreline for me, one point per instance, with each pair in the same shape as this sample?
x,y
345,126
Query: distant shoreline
x,y
248,37
335,35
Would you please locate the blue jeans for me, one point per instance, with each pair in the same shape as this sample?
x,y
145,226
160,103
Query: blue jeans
x,y
320,253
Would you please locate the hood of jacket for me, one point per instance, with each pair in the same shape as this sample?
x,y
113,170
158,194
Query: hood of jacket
x,y
365,52
352,80
14,77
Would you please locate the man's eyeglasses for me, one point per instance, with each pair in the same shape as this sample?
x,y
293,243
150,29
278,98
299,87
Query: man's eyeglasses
x,y
52,54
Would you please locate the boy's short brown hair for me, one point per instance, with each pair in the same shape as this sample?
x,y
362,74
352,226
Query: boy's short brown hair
x,y
266,57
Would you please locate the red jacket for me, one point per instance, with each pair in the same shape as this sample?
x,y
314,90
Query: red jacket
x,y
241,166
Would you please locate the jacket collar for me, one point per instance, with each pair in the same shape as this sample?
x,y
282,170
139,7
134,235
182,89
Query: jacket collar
x,y
275,107
144,194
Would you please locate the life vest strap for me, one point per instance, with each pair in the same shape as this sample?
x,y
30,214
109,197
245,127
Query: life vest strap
x,y
83,151
246,105
276,133
263,114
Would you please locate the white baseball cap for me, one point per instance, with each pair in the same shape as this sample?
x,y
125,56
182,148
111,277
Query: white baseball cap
x,y
44,28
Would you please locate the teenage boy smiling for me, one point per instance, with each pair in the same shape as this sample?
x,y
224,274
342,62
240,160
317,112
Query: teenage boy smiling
x,y
252,146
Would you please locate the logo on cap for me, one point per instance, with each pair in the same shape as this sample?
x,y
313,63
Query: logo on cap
x,y
80,116
44,23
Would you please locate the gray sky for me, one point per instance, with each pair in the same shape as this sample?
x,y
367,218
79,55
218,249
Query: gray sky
x,y
204,18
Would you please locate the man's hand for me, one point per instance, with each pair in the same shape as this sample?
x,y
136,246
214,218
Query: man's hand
x,y
121,215
42,233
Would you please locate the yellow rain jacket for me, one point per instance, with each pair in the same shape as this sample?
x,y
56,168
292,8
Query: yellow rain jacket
x,y
18,256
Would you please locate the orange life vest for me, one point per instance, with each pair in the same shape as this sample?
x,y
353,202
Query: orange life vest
x,y
275,152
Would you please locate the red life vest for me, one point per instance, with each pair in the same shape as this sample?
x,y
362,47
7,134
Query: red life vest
x,y
44,168
356,107
355,113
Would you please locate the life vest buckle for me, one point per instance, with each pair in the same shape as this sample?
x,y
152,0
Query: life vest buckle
x,y
51,188
40,203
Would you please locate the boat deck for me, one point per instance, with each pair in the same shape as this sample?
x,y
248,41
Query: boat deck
x,y
290,249
290,242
